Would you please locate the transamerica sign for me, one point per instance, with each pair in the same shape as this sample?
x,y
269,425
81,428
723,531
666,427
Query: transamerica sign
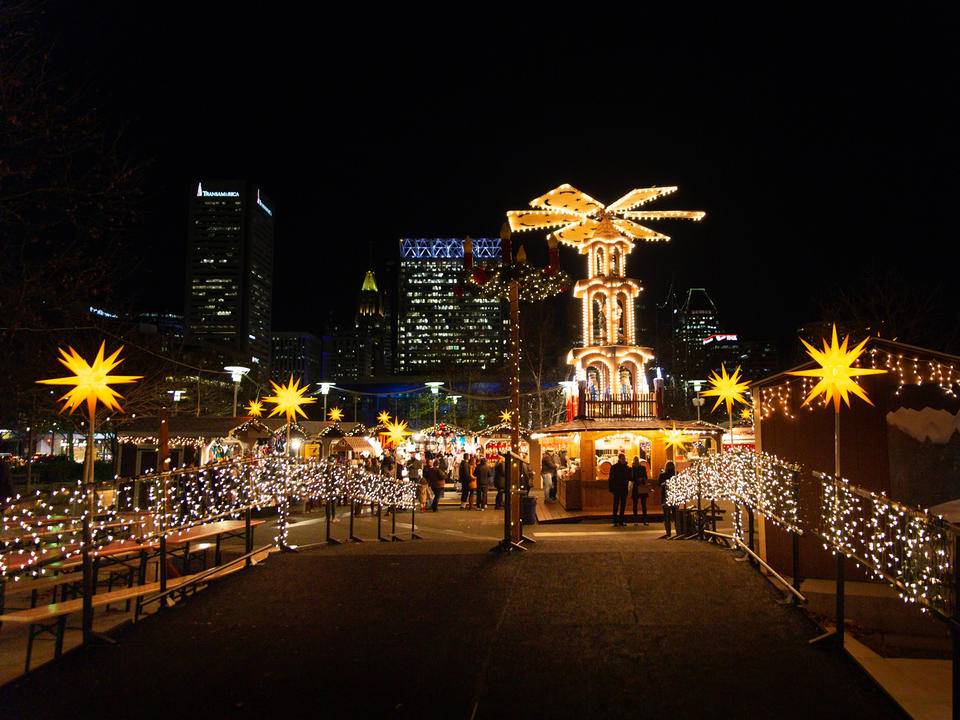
x,y
215,193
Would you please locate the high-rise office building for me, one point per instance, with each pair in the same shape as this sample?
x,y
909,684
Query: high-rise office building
x,y
437,325
230,272
373,331
296,353
696,321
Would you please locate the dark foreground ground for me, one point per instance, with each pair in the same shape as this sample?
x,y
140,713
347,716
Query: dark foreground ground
x,y
582,627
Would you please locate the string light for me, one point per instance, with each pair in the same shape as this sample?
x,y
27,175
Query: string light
x,y
908,549
47,527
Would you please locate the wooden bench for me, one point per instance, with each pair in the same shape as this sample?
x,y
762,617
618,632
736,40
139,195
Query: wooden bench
x,y
52,619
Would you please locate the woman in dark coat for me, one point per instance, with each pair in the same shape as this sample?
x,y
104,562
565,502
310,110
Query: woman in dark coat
x,y
638,476
668,472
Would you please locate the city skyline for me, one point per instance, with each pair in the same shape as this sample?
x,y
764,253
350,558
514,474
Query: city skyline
x,y
753,139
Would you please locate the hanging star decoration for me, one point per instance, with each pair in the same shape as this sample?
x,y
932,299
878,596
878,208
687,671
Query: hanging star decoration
x,y
335,414
91,383
746,414
506,416
383,418
288,399
675,438
836,372
255,408
397,431
727,388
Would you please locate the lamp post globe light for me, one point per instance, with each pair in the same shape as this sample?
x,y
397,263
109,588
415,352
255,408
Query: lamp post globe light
x,y
454,399
236,374
325,390
698,403
435,391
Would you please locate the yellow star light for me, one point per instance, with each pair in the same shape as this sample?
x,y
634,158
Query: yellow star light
x,y
506,416
91,382
397,431
383,418
335,414
255,408
288,398
835,371
727,388
746,414
675,438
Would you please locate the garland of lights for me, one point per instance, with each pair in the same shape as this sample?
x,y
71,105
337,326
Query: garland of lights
x,y
43,528
759,481
909,550
503,428
908,370
178,441
535,285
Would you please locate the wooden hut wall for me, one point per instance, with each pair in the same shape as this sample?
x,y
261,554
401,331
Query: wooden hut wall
x,y
808,439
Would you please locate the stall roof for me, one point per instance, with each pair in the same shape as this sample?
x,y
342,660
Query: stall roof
x,y
625,425
354,444
872,342
181,426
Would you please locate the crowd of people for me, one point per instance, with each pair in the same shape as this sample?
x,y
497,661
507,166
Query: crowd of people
x,y
473,475
634,479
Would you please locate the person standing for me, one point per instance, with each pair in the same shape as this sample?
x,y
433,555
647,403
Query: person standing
x,y
548,470
619,483
668,472
641,488
465,480
437,480
484,478
499,481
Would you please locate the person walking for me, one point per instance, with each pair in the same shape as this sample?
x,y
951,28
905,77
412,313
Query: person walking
x,y
499,481
641,488
548,470
618,483
668,472
484,475
437,480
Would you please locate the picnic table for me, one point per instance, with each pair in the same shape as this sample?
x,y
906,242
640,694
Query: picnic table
x,y
220,530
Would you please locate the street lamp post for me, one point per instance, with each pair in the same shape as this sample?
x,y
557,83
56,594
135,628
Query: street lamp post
x,y
513,281
236,373
453,399
435,391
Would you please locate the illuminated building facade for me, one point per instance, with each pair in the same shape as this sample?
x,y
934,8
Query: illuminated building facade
x,y
230,272
296,353
437,325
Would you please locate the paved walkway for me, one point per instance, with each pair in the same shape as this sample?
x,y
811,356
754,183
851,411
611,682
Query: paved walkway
x,y
616,625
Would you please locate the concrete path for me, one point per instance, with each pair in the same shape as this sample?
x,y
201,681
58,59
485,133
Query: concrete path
x,y
612,626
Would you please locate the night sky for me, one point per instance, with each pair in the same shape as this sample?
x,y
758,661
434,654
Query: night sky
x,y
808,143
